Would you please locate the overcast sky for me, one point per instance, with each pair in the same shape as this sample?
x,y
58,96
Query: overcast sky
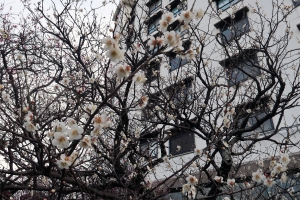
x,y
16,7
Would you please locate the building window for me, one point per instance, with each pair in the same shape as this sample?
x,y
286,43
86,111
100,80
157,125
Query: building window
x,y
152,71
154,6
296,2
233,28
148,146
253,118
153,24
181,94
225,4
179,30
258,111
181,142
240,68
177,6
176,61
149,112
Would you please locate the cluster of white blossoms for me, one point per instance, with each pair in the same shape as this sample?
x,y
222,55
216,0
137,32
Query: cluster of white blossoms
x,y
61,135
153,42
122,70
198,152
114,53
143,102
189,187
66,161
100,122
139,78
228,116
29,126
60,139
185,16
277,169
170,37
5,97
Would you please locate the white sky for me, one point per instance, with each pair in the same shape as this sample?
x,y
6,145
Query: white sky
x,y
16,6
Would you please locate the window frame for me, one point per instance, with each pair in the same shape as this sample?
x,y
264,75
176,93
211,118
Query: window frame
x,y
151,146
157,5
149,71
180,61
176,62
233,28
155,23
180,93
296,3
241,115
227,5
254,117
239,65
149,112
184,148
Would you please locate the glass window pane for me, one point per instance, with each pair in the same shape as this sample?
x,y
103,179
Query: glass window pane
x,y
227,36
183,139
241,27
222,3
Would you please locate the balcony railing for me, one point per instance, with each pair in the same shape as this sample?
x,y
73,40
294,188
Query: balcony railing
x,y
225,4
176,11
153,10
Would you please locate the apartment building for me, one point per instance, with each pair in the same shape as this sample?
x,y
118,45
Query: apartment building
x,y
225,25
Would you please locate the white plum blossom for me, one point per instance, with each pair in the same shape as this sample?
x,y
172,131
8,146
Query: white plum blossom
x,y
269,182
115,55
71,121
59,127
231,182
60,140
198,152
86,142
152,42
283,177
168,17
75,133
122,70
172,39
5,97
102,121
65,81
186,16
199,14
139,78
109,43
91,80
65,162
186,188
163,25
29,116
50,134
190,54
143,102
284,159
192,193
260,163
219,179
96,132
273,163
258,176
279,168
30,127
191,180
